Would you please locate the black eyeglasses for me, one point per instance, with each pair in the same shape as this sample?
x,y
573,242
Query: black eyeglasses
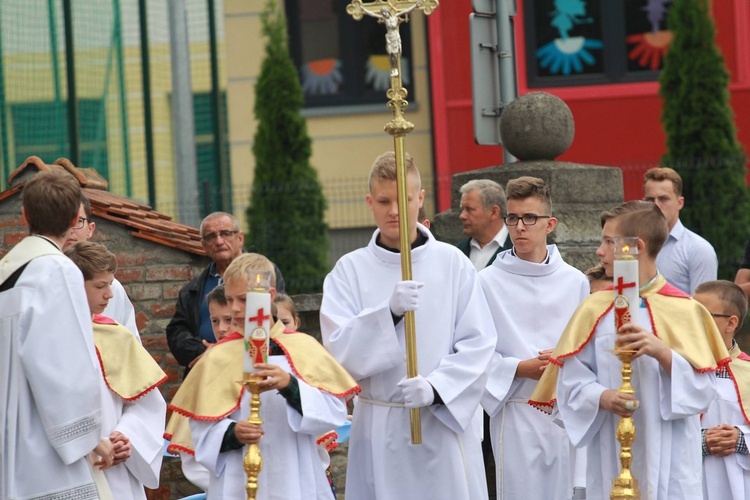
x,y
528,219
211,237
717,315
81,222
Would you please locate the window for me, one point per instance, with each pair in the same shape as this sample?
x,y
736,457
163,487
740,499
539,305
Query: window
x,y
592,42
340,61
51,142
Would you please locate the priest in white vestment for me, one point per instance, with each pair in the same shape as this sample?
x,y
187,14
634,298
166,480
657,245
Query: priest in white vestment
x,y
362,325
50,406
532,294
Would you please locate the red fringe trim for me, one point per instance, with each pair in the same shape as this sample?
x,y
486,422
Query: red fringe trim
x,y
207,418
137,396
559,360
346,395
328,441
146,391
175,449
739,396
543,407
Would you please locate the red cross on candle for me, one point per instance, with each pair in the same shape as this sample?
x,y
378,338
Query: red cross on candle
x,y
260,318
620,287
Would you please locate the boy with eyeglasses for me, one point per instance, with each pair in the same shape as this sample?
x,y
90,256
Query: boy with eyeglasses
x,y
532,293
726,424
119,308
677,351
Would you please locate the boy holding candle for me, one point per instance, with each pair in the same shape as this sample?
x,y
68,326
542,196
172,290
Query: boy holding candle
x,y
133,409
303,395
726,424
677,351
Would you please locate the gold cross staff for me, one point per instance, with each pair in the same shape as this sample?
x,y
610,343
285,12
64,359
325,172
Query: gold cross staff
x,y
392,13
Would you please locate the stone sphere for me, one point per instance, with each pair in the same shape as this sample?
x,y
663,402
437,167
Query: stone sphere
x,y
537,126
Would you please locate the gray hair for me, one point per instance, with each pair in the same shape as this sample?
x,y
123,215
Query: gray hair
x,y
215,215
490,191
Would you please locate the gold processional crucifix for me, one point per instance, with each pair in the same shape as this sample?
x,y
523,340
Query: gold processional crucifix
x,y
392,13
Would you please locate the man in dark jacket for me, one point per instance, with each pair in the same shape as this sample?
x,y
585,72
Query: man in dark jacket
x,y
482,212
189,332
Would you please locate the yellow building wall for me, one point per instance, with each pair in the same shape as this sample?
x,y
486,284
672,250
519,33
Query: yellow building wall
x,y
91,65
343,145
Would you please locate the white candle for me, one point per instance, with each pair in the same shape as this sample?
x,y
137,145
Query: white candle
x,y
625,274
257,329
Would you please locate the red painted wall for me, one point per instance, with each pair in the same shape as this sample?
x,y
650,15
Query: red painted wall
x,y
617,125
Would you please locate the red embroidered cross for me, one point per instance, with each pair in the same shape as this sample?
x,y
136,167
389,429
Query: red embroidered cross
x,y
260,318
620,287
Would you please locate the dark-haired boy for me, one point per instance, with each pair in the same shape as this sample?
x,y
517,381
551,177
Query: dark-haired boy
x,y
726,425
50,392
521,282
678,350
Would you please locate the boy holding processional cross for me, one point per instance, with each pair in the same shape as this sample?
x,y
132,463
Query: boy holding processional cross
x,y
50,394
676,355
726,424
133,409
303,395
362,322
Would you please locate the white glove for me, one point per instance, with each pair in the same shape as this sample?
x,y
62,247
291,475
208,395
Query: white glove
x,y
418,392
405,297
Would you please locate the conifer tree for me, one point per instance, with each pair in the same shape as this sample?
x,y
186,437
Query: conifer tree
x,y
701,137
286,211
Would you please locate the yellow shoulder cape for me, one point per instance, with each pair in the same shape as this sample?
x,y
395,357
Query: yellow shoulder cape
x,y
128,369
212,389
682,323
739,369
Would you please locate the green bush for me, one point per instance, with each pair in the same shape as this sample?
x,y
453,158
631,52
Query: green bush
x,y
287,206
701,137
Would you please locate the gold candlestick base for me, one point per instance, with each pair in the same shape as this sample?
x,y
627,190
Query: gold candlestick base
x,y
625,486
253,462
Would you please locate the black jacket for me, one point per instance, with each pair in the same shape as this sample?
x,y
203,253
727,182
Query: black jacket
x,y
465,247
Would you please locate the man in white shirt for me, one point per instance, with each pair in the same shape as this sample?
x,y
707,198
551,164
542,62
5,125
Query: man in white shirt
x,y
686,260
482,212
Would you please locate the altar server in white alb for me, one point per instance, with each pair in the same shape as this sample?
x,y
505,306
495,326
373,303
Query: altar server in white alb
x,y
532,294
725,427
133,409
364,301
50,389
678,350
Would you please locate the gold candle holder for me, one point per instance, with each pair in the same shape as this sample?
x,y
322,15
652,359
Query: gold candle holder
x,y
256,328
626,310
625,486
253,462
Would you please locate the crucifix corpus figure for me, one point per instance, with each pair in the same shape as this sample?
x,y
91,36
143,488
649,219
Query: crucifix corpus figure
x,y
392,19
